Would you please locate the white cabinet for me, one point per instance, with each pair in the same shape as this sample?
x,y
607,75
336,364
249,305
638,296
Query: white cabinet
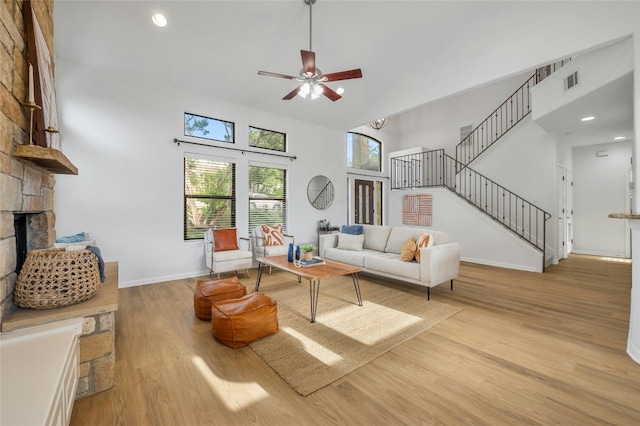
x,y
39,369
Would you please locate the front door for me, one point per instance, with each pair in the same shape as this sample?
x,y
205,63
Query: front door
x,y
364,202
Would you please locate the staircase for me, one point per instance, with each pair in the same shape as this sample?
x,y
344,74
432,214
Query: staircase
x,y
437,169
504,118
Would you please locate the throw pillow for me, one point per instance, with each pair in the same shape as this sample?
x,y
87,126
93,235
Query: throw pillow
x,y
350,242
408,252
225,239
273,235
352,229
425,240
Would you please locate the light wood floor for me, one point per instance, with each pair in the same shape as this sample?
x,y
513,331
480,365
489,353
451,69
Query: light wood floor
x,y
527,348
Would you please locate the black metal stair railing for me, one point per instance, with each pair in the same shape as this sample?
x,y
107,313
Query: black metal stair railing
x,y
435,168
502,119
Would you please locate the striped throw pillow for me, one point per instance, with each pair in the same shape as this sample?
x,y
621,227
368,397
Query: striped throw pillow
x,y
273,235
425,240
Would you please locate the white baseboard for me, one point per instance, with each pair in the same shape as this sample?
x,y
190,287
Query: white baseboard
x,y
600,253
153,280
633,352
500,264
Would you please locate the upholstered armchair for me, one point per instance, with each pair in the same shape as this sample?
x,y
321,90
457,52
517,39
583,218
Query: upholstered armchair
x,y
225,252
269,240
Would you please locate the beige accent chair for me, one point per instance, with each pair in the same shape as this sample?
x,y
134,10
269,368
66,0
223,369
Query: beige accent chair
x,y
227,260
262,250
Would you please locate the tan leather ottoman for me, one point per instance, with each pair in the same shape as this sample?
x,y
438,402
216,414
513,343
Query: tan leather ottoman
x,y
210,291
238,322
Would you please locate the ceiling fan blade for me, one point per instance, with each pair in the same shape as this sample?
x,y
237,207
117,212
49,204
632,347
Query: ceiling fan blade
x,y
308,61
329,93
275,74
343,75
292,94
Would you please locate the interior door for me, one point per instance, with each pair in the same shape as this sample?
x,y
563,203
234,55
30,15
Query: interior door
x,y
562,208
569,213
364,202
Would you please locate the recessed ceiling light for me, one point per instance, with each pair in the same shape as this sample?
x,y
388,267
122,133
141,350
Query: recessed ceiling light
x,y
340,91
587,118
159,20
619,138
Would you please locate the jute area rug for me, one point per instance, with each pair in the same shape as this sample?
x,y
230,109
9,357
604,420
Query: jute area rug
x,y
345,336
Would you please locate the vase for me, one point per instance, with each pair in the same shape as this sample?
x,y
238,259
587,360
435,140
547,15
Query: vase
x,y
308,255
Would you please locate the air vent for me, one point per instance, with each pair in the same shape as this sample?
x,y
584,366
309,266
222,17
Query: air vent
x,y
571,80
464,132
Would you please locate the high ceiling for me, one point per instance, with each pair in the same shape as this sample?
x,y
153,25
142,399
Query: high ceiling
x,y
410,52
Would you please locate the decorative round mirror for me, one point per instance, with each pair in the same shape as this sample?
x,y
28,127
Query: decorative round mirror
x,y
320,192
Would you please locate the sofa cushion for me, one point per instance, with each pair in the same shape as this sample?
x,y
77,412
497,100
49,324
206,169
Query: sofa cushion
x,y
438,237
375,237
398,236
408,252
351,257
390,263
350,242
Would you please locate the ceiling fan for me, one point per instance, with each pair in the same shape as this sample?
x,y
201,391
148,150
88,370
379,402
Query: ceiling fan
x,y
311,78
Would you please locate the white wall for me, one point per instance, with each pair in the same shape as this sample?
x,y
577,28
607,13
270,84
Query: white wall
x,y
595,69
482,239
600,188
129,191
437,125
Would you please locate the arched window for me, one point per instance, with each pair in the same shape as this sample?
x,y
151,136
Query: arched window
x,y
364,152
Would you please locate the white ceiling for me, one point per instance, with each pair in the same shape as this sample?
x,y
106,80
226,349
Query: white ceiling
x,y
612,107
410,52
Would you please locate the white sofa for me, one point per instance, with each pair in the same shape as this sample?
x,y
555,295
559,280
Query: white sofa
x,y
380,255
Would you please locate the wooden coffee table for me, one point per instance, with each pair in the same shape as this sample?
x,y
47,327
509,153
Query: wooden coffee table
x,y
312,273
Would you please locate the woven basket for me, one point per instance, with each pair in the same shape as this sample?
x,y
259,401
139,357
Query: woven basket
x,y
52,278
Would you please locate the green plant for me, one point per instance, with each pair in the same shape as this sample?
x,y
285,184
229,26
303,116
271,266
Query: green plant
x,y
307,248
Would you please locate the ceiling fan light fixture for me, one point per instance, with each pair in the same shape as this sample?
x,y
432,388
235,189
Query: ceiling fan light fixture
x,y
311,78
159,20
305,89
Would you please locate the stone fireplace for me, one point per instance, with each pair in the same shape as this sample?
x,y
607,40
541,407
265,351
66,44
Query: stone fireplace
x,y
26,188
27,196
27,219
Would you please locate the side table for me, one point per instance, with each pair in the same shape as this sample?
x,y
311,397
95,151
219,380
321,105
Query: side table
x,y
326,230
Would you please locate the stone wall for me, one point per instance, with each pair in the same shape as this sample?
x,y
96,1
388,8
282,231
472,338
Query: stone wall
x,y
24,187
97,354
27,188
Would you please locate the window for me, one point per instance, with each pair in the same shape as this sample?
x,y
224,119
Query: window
x,y
363,152
209,196
267,196
268,139
208,128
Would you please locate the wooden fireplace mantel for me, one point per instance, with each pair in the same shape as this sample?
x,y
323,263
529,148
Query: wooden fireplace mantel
x,y
48,158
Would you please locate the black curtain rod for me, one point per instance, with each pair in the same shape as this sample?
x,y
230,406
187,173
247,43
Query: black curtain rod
x,y
290,157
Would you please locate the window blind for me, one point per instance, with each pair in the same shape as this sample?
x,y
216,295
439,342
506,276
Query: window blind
x,y
209,196
267,196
